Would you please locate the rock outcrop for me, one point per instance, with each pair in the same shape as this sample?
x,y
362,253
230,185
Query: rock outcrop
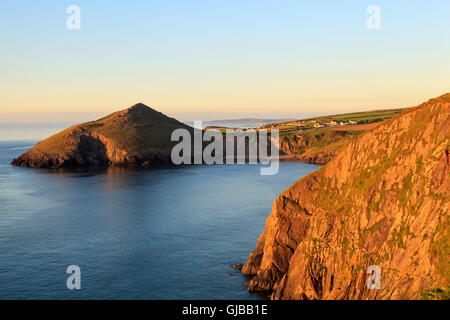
x,y
383,200
137,136
316,146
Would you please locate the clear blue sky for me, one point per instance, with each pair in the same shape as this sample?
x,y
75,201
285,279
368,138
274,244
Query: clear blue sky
x,y
222,56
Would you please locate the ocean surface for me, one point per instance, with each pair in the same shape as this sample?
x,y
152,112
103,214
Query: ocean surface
x,y
168,233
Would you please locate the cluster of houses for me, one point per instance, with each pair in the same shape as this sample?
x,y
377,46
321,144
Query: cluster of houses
x,y
333,123
313,124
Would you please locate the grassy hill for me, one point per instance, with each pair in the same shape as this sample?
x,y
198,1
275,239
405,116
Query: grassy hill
x,y
135,136
358,117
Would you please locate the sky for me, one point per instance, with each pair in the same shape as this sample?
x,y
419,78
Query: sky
x,y
220,57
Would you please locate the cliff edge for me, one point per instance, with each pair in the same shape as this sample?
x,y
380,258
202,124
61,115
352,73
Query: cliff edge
x,y
383,200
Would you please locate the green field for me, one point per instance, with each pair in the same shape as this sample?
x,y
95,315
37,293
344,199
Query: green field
x,y
359,117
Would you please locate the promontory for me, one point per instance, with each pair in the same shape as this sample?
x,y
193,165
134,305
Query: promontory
x,y
136,136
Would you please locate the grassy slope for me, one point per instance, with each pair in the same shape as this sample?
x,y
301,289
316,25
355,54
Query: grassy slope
x,y
436,294
133,129
320,140
360,117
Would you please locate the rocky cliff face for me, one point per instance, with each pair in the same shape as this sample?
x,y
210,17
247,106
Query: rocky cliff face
x,y
137,136
383,200
317,146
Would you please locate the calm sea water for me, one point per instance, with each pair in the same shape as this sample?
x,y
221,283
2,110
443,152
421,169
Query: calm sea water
x,y
135,234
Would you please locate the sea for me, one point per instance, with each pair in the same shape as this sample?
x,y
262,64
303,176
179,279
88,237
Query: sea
x,y
160,233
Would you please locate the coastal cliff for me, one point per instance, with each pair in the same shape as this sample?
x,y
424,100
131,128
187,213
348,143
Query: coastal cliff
x,y
141,136
316,146
137,136
383,200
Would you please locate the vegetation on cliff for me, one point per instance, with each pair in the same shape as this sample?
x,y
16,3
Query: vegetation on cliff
x,y
383,200
316,146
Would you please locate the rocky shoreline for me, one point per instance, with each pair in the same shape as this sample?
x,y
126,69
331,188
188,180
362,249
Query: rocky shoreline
x,y
92,150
